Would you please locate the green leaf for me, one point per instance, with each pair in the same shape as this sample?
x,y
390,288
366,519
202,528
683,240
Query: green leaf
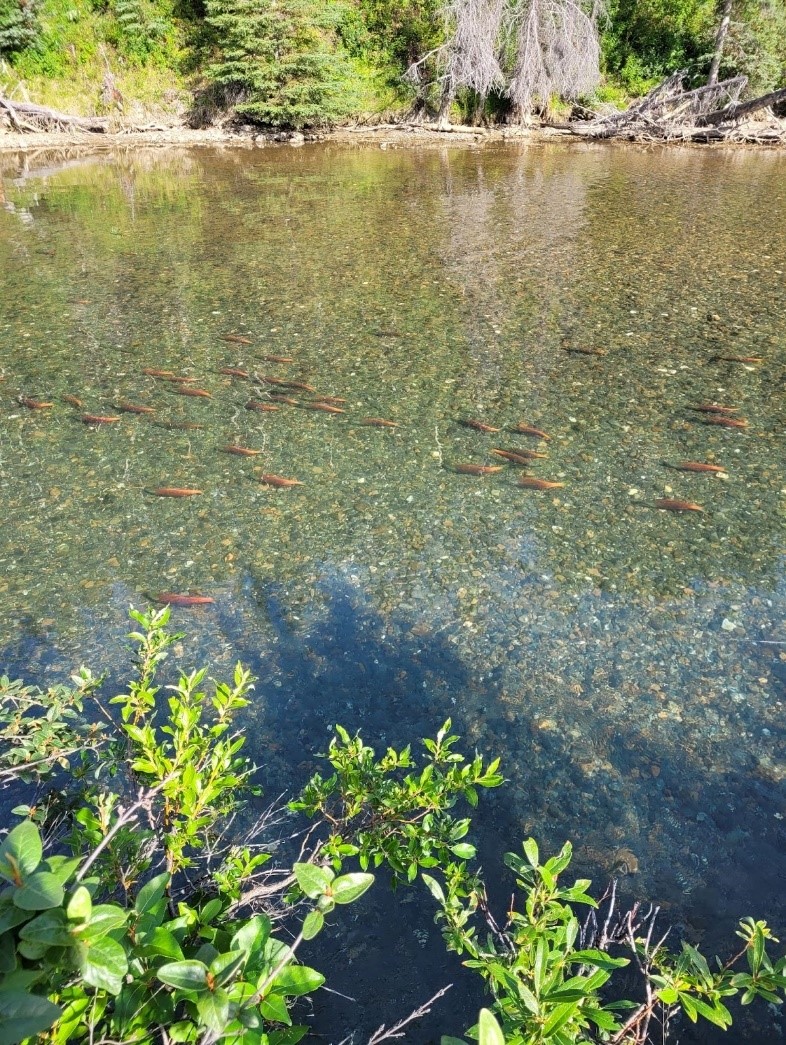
x,y
312,924
447,1040
559,1017
161,943
349,887
464,851
40,892
314,881
210,910
290,1036
489,1031
24,1015
252,936
103,964
434,888
599,959
298,979
10,916
20,852
274,1007
151,893
186,975
224,966
80,905
530,848
213,1009
719,1014
62,867
50,928
103,919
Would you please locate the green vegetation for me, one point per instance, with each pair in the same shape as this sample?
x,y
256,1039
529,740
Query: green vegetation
x,y
128,913
295,63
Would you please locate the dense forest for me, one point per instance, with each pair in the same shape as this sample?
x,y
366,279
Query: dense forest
x,y
311,62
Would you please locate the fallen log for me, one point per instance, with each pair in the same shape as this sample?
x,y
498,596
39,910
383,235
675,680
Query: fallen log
x,y
736,110
709,113
25,116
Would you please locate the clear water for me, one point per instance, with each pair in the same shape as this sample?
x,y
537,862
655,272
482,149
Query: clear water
x,y
623,660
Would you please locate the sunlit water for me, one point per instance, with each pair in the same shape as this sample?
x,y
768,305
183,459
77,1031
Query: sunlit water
x,y
627,663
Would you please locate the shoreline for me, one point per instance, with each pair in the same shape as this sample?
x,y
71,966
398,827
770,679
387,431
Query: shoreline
x,y
384,135
403,135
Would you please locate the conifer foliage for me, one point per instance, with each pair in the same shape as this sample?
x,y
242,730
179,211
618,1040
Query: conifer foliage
x,y
18,25
279,62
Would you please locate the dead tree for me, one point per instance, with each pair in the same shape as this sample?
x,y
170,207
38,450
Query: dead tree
x,y
529,50
710,113
25,116
720,40
557,53
472,56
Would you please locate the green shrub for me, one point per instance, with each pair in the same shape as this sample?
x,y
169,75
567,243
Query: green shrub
x,y
127,914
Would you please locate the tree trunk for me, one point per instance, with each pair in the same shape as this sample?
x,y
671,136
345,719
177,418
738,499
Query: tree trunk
x,y
448,94
738,110
720,40
27,117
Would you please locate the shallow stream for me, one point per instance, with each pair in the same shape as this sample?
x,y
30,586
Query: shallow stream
x,y
627,662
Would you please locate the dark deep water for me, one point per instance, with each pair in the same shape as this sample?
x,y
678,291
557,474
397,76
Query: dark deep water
x,y
627,663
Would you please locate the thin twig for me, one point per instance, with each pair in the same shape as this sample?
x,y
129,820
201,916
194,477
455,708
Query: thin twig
x,y
383,1034
125,817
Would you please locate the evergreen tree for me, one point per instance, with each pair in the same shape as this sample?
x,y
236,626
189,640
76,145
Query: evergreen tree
x,y
278,61
18,25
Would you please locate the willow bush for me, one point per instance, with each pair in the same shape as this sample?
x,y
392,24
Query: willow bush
x,y
131,911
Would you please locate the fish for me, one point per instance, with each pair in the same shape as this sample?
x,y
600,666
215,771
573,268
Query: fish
x,y
278,359
73,401
174,599
177,491
238,339
477,469
526,429
152,371
698,466
279,480
187,390
180,379
233,371
724,421
178,426
533,483
379,422
714,408
479,426
326,408
241,451
301,386
135,408
335,400
669,504
579,350
33,404
269,379
257,404
274,398
519,456
98,419
738,359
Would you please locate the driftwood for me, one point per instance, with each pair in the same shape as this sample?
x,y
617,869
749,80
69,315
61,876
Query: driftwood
x,y
24,116
710,113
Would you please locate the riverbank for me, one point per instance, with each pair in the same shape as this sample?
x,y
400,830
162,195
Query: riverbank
x,y
403,135
385,135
